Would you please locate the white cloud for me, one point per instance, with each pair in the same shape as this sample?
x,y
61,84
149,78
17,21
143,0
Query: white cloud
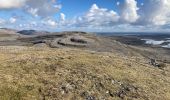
x,y
33,11
101,18
150,14
49,22
62,17
12,20
43,8
129,11
117,3
155,12
2,21
98,17
7,4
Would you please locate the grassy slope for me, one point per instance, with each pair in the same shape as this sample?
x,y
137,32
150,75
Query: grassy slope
x,y
32,73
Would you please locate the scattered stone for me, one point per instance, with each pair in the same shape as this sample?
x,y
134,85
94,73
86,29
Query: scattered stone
x,y
154,63
161,65
111,94
128,91
64,90
84,94
90,98
78,40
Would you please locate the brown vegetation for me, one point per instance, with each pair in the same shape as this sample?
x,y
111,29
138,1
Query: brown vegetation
x,y
70,74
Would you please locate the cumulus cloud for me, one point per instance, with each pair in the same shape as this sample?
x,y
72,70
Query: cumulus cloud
x,y
155,12
49,22
129,11
62,17
42,8
102,17
2,21
151,13
7,4
98,17
130,15
12,20
118,3
33,11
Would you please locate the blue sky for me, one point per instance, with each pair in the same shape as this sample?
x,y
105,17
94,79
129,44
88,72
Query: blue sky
x,y
76,7
86,15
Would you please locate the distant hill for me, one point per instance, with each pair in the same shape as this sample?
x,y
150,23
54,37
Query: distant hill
x,y
32,32
7,31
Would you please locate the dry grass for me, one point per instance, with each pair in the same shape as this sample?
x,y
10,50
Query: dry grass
x,y
70,74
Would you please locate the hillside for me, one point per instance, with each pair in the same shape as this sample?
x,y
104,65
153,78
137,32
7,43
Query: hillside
x,y
72,74
80,66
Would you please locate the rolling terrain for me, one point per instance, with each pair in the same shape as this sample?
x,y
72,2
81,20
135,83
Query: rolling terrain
x,y
80,66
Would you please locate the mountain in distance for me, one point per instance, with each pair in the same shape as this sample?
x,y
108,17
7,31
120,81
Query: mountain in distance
x,y
32,32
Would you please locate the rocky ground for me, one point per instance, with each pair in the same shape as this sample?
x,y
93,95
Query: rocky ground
x,y
71,74
81,66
